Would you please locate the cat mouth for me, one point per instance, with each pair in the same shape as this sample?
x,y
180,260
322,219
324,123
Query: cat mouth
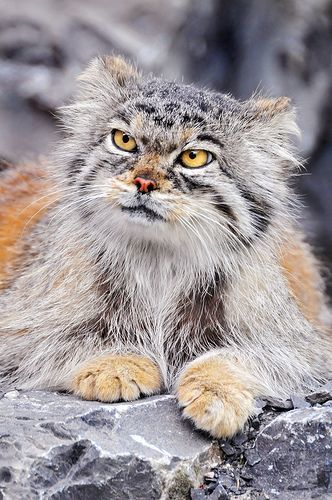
x,y
142,211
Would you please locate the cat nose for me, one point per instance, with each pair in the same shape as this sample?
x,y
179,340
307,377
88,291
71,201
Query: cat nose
x,y
145,185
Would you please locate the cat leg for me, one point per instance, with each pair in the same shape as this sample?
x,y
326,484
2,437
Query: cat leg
x,y
217,394
113,377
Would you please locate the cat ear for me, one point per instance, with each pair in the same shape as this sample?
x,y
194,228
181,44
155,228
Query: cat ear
x,y
271,107
275,116
271,125
106,74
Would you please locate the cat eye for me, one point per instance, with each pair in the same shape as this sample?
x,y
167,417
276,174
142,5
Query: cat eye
x,y
124,141
195,158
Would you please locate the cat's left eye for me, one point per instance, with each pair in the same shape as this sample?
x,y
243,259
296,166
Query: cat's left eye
x,y
195,158
124,141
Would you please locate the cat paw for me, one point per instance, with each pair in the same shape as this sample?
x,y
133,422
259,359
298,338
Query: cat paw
x,y
213,397
113,378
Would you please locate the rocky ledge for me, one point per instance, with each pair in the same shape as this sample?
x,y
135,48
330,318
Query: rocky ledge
x,y
54,446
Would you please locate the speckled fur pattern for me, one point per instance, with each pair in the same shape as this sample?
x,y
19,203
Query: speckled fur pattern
x,y
195,287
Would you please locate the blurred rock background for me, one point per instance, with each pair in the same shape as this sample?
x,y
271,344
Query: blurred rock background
x,y
282,47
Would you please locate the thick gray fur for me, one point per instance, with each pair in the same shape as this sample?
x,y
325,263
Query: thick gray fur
x,y
201,277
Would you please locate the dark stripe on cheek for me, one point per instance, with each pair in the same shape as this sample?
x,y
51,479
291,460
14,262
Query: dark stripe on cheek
x,y
225,171
260,211
111,164
116,165
228,212
222,206
75,166
218,201
190,183
89,178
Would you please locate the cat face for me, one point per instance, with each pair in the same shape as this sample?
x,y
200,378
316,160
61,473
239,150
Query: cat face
x,y
162,161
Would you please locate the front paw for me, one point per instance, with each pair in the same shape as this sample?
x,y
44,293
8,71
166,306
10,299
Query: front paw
x,y
113,378
213,396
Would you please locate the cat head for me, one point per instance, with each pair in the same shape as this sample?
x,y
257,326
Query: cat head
x,y
146,159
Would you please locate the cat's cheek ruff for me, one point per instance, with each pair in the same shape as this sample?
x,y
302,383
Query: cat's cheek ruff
x,y
169,218
218,223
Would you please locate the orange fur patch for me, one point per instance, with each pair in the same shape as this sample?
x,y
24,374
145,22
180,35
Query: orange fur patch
x,y
273,106
22,204
302,274
147,166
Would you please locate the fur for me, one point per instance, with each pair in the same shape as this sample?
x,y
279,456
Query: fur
x,y
206,283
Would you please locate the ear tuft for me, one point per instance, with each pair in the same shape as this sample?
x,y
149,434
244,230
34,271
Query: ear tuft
x,y
119,69
272,107
277,114
107,70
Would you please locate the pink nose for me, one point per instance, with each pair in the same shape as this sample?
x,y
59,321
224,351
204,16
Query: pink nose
x,y
145,185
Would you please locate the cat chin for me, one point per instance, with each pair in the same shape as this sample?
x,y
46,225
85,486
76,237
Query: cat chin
x,y
123,228
140,224
136,228
142,215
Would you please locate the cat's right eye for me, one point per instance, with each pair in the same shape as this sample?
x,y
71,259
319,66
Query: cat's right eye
x,y
124,141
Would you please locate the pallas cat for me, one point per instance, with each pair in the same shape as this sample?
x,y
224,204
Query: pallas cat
x,y
159,250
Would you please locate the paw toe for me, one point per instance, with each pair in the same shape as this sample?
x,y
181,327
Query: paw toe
x,y
113,378
215,400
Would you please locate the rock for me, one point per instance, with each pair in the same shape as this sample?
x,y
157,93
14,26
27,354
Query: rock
x,y
219,493
197,494
58,447
252,457
288,456
299,402
259,406
322,395
225,480
296,454
279,404
246,476
228,449
239,439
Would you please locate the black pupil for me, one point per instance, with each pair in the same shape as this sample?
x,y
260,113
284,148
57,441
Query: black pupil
x,y
125,138
192,155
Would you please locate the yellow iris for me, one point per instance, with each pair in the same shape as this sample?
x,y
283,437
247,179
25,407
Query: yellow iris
x,y
124,141
195,158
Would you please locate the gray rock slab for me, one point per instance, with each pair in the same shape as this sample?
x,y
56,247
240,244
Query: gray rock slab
x,y
55,446
295,452
322,395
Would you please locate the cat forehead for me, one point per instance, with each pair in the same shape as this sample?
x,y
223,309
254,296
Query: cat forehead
x,y
169,104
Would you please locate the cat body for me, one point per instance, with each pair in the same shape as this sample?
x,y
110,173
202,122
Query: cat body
x,y
127,270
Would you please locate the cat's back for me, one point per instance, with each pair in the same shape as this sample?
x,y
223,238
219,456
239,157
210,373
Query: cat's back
x,y
24,196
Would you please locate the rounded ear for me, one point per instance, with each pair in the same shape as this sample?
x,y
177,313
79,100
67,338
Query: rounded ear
x,y
271,125
106,73
277,116
271,107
